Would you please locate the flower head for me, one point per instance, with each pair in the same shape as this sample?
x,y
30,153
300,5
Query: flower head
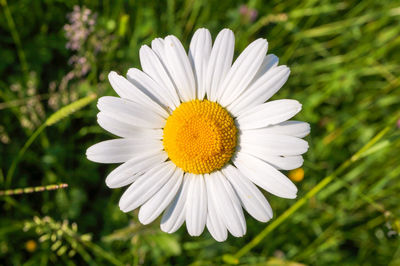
x,y
296,175
248,13
81,25
30,245
197,135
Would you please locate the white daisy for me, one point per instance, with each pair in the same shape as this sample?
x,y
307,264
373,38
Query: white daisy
x,y
197,134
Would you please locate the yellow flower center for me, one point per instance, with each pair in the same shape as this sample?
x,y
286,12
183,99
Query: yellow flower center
x,y
200,136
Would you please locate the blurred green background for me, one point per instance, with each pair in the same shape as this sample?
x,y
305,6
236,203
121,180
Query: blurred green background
x,y
344,57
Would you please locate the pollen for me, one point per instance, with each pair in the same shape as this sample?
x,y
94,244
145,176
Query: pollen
x,y
200,136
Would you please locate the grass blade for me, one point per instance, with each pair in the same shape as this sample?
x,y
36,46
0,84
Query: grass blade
x,y
54,118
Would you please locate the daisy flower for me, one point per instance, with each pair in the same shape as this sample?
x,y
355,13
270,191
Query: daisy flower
x,y
197,136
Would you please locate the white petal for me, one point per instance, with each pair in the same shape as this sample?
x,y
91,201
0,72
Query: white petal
x,y
199,53
151,88
250,196
260,90
227,203
269,113
216,228
158,46
293,128
270,61
279,162
153,66
196,204
129,171
242,71
214,223
282,162
265,175
146,186
175,214
281,145
126,111
157,204
127,90
180,69
126,130
217,231
220,62
121,150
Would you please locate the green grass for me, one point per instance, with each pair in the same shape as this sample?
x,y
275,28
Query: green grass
x,y
344,58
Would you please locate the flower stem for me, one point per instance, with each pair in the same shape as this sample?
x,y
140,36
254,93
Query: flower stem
x,y
26,190
15,36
